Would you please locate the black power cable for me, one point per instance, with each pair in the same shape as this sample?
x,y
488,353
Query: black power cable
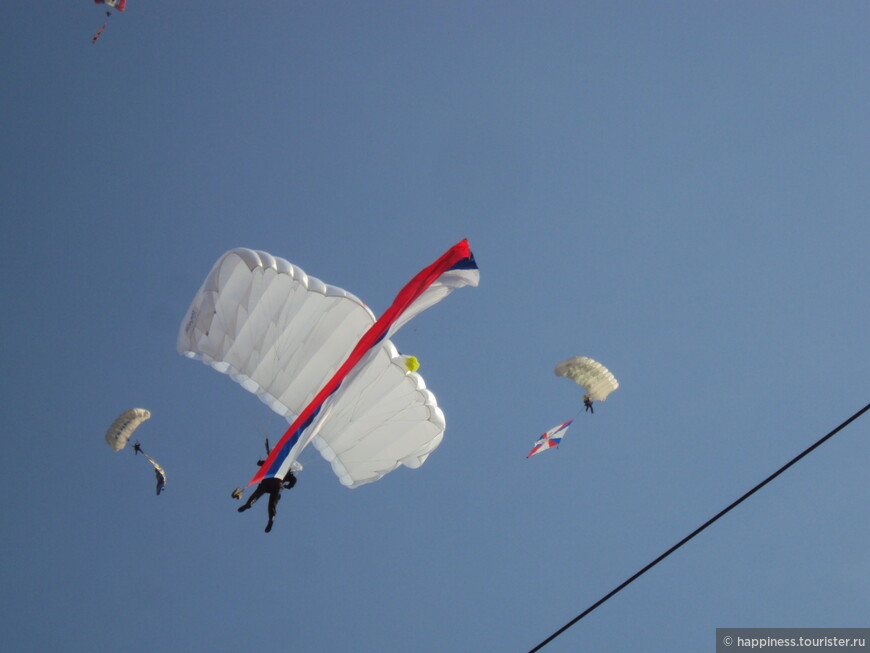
x,y
699,529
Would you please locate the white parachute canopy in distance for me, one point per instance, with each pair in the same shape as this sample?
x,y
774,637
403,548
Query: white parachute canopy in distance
x,y
282,335
122,428
591,375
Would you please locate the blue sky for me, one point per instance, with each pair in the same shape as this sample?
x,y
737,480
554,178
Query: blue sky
x,y
677,189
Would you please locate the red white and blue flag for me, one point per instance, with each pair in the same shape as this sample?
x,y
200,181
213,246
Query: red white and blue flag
x,y
550,439
454,269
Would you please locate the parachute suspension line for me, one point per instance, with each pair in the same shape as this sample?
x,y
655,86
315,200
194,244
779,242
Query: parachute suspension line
x,y
664,555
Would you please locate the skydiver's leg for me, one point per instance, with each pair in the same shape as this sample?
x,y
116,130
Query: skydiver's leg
x,y
252,499
274,498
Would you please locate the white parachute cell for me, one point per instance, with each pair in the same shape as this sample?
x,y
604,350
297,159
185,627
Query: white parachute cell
x,y
122,428
591,375
273,329
282,335
383,417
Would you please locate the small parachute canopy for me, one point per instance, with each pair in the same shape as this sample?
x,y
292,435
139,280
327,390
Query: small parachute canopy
x,y
119,5
122,428
591,375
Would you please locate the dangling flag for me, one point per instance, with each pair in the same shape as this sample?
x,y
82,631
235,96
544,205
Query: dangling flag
x,y
456,268
99,32
550,439
158,472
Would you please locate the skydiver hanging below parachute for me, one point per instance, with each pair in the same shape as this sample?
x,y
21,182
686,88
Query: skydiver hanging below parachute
x,y
591,375
119,434
271,486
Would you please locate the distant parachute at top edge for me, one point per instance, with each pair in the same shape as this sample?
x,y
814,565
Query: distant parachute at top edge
x,y
118,5
591,375
122,428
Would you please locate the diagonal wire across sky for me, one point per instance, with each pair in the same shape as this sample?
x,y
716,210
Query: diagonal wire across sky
x,y
700,528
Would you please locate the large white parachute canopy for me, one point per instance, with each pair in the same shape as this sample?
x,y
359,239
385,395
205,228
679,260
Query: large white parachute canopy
x,y
282,335
122,428
591,375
